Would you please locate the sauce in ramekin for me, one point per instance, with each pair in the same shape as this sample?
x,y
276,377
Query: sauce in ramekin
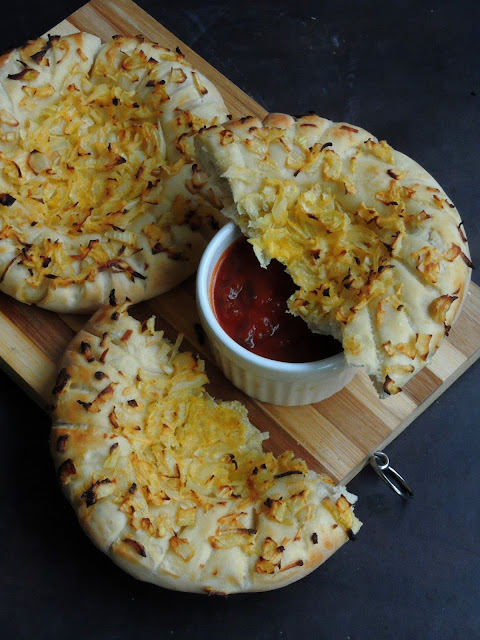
x,y
250,304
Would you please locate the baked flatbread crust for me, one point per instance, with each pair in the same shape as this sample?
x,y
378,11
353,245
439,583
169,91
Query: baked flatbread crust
x,y
99,187
172,484
374,244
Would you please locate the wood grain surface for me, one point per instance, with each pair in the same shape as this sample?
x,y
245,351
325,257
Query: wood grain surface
x,y
335,436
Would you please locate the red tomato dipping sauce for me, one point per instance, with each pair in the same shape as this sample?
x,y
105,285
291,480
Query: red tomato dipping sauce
x,y
250,304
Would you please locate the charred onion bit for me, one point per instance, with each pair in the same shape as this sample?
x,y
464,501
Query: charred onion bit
x,y
6,199
61,382
288,473
136,546
25,74
90,494
86,350
65,470
61,443
85,405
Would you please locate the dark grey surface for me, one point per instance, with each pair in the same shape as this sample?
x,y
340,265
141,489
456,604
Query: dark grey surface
x,y
408,72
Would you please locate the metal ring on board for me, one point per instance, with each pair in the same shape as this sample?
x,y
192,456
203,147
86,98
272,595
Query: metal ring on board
x,y
381,465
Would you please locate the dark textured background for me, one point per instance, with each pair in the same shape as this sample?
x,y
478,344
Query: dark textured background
x,y
409,72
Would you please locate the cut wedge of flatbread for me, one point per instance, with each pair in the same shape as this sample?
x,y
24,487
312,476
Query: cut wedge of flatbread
x,y
173,485
375,246
99,187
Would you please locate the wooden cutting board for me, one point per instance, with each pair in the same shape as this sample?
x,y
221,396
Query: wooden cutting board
x,y
336,435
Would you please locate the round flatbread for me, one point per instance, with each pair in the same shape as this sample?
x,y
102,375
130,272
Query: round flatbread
x,y
172,484
375,246
99,187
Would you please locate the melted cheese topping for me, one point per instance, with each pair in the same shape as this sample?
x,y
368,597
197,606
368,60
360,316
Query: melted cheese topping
x,y
372,242
89,180
319,241
188,452
91,164
187,472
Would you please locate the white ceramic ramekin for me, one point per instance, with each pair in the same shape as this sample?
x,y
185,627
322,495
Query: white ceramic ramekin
x,y
271,381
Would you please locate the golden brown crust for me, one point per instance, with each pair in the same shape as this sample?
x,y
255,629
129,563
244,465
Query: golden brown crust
x,y
374,244
103,191
173,485
278,120
244,124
